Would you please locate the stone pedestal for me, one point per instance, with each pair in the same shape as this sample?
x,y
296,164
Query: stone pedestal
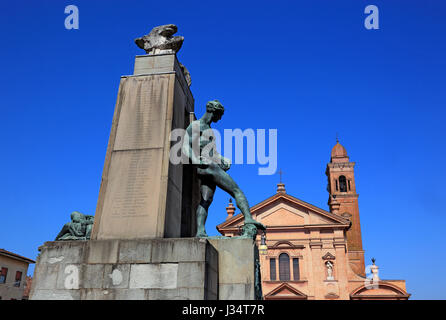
x,y
150,269
237,269
142,194
154,269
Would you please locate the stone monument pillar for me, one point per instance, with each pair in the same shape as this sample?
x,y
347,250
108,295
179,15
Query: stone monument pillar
x,y
141,244
142,194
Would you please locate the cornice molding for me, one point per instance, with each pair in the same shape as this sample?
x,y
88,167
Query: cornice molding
x,y
348,164
315,244
286,245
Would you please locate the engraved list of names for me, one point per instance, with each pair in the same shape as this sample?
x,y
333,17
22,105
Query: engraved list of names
x,y
142,120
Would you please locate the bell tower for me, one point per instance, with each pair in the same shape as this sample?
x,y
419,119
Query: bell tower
x,y
343,200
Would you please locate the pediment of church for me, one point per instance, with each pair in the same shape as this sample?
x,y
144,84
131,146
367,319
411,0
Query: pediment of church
x,y
285,291
283,216
382,290
282,210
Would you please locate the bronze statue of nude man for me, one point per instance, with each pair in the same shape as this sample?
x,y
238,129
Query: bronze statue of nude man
x,y
199,147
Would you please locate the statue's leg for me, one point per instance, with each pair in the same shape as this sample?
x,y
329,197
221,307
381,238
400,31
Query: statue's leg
x,y
225,182
88,231
207,189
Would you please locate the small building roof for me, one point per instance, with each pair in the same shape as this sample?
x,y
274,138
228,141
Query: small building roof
x,y
16,256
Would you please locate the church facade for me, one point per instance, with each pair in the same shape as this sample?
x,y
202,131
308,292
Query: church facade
x,y
312,253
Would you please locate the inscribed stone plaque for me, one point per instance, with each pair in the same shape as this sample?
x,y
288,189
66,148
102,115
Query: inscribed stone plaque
x,y
143,113
132,195
147,64
141,193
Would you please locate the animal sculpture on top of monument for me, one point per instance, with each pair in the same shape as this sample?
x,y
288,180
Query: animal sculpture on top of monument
x,y
161,40
199,146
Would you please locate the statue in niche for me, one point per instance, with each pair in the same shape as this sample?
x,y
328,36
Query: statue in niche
x,y
161,40
199,147
329,266
78,229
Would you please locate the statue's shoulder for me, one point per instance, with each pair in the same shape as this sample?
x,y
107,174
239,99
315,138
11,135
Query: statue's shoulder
x,y
193,124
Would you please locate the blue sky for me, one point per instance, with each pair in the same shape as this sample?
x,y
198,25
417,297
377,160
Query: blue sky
x,y
306,68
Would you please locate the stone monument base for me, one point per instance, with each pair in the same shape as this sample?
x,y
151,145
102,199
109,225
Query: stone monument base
x,y
237,269
149,269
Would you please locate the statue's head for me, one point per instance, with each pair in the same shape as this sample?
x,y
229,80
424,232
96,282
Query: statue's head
x,y
216,108
76,216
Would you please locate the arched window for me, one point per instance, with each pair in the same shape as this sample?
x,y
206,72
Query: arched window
x,y
284,267
342,184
